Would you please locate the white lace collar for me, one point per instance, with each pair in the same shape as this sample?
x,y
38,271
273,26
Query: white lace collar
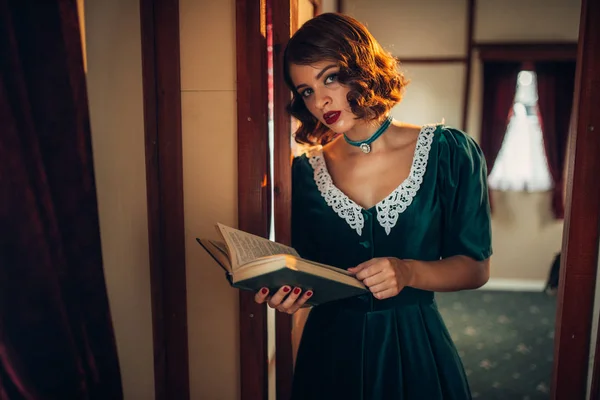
x,y
390,207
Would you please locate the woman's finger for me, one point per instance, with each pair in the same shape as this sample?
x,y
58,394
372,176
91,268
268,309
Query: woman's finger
x,y
385,294
288,303
262,295
361,266
375,280
278,297
300,302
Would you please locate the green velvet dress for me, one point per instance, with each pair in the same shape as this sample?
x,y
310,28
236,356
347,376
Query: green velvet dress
x,y
397,348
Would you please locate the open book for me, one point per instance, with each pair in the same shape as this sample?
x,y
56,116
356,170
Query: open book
x,y
252,262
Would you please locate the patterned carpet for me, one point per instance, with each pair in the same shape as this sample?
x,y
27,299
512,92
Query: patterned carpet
x,y
505,340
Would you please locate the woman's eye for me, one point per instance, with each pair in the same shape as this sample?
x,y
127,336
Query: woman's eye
x,y
306,93
331,78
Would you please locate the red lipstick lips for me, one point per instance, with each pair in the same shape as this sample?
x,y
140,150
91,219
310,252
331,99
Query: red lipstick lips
x,y
331,117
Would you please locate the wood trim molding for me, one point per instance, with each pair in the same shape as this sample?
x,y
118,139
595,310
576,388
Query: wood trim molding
x,y
317,6
164,181
282,15
581,231
469,61
253,181
527,51
339,6
294,12
431,60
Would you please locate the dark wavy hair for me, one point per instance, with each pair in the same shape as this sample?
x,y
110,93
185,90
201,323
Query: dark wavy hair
x,y
370,72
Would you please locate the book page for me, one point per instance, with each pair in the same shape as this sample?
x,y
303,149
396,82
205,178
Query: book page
x,y
330,267
221,247
218,251
245,247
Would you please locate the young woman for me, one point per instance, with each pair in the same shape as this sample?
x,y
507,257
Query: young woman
x,y
404,208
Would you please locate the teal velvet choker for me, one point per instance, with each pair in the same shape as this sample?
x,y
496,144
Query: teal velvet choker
x,y
365,145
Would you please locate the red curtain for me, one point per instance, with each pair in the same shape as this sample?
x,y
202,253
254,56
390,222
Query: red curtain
x,y
499,86
56,335
556,82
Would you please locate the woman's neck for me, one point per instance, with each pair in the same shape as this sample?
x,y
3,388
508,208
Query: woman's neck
x,y
363,130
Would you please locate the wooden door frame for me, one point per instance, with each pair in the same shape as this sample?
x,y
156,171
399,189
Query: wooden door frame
x,y
579,261
164,186
284,14
317,7
254,186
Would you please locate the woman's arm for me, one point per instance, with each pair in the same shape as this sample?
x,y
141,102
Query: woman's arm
x,y
449,274
386,277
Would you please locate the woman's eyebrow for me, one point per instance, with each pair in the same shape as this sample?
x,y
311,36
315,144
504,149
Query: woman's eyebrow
x,y
319,75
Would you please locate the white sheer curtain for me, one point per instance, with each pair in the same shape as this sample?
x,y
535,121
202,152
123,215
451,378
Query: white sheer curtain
x,y
521,163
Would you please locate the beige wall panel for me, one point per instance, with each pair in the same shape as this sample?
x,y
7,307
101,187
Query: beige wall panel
x,y
328,6
210,196
525,236
475,97
434,93
414,28
306,11
116,110
527,21
207,37
209,123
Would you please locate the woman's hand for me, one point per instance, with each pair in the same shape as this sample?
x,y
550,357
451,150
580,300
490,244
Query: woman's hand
x,y
385,277
279,301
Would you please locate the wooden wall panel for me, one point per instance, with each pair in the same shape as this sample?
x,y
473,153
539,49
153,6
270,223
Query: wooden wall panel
x,y
164,180
282,13
253,180
582,218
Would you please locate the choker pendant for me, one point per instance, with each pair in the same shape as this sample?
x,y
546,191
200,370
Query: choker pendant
x,y
365,145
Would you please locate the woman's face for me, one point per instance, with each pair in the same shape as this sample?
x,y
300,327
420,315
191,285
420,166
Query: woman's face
x,y
324,96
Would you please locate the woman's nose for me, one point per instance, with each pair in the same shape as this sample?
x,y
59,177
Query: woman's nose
x,y
323,101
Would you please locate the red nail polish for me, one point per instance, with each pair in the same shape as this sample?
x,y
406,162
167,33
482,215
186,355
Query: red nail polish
x,y
309,293
286,289
264,290
296,291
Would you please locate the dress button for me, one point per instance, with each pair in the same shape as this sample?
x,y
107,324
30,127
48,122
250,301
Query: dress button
x,y
366,244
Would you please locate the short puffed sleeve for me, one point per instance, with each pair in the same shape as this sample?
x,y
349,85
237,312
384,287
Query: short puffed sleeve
x,y
463,192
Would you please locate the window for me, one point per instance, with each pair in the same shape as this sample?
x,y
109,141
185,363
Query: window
x,y
521,164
